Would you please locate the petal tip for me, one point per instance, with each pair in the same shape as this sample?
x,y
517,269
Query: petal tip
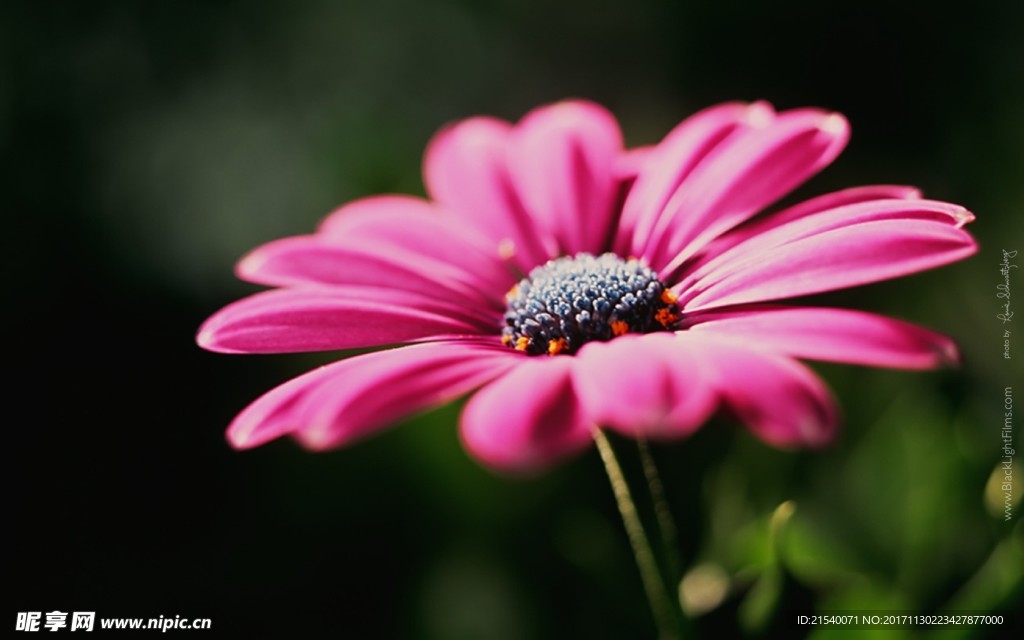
x,y
961,217
570,112
238,438
207,338
250,265
758,114
948,355
834,123
245,431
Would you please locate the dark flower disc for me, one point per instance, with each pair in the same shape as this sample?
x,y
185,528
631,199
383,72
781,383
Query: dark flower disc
x,y
572,300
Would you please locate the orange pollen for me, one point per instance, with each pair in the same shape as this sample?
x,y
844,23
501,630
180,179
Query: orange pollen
x,y
513,291
665,317
620,327
668,297
556,346
522,343
506,340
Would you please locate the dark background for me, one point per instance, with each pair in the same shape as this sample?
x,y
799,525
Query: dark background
x,y
147,145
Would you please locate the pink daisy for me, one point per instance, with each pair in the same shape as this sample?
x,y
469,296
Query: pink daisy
x,y
568,283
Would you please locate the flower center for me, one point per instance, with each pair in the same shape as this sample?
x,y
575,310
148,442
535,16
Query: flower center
x,y
573,300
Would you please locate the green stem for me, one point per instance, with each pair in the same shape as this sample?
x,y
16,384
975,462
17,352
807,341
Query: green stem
x,y
657,596
666,525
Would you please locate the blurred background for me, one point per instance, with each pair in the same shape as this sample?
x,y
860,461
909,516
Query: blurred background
x,y
147,145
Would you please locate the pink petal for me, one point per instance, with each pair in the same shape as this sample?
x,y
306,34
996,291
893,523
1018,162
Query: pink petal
x,y
834,200
668,164
836,335
372,391
288,320
834,259
746,245
393,254
644,386
465,171
629,164
778,398
562,160
528,418
400,227
274,414
313,260
353,215
743,176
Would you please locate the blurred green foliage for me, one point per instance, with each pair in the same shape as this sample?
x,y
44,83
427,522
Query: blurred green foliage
x,y
147,145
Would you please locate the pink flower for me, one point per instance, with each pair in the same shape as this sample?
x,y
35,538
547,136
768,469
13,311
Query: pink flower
x,y
570,283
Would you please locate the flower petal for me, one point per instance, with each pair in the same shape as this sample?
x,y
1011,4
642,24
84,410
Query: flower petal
x,y
668,164
644,386
528,418
403,228
310,260
628,165
289,320
741,177
562,159
778,398
745,245
366,391
353,215
829,201
465,170
834,259
837,335
390,242
274,413
369,392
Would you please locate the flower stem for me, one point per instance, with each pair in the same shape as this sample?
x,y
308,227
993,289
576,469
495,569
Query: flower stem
x,y
657,596
666,525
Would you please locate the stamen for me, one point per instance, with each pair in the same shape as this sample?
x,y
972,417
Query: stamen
x,y
666,317
573,300
556,346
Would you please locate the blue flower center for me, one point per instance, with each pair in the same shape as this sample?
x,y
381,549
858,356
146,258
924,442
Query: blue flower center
x,y
570,301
